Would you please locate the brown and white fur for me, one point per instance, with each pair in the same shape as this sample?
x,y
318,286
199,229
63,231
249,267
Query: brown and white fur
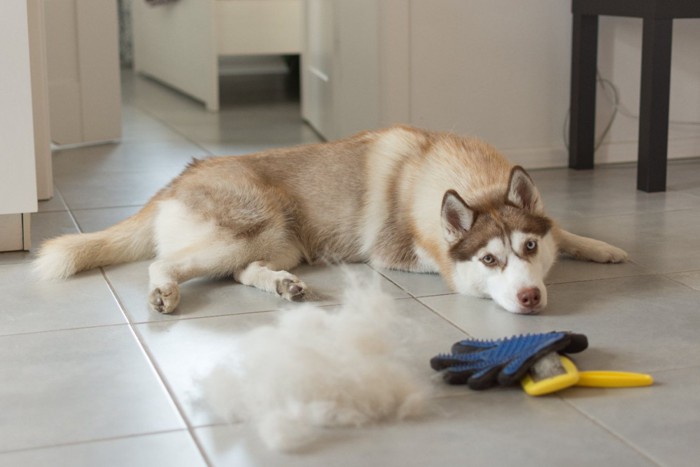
x,y
400,198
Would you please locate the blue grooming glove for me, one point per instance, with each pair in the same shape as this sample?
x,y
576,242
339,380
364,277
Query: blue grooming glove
x,y
484,363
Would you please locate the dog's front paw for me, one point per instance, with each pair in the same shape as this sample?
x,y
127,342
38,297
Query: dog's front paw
x,y
292,289
165,298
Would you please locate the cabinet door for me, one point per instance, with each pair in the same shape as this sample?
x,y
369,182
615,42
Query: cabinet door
x,y
340,65
82,50
317,66
17,164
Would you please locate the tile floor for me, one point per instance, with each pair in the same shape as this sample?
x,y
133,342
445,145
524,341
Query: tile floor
x,y
91,377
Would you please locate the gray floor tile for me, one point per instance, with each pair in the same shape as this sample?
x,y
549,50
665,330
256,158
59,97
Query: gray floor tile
x,y
116,159
54,204
660,421
691,279
80,385
602,192
481,428
46,225
175,449
683,176
249,138
252,146
418,285
42,226
157,99
328,283
185,350
77,386
121,174
31,305
569,270
661,242
138,126
256,114
205,297
15,257
198,297
92,220
621,317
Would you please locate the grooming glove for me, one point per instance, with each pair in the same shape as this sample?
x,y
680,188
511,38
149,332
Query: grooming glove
x,y
484,363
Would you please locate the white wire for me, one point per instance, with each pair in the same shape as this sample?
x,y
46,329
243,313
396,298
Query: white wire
x,y
614,98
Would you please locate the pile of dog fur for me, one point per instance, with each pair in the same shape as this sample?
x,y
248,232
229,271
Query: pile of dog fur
x,y
317,368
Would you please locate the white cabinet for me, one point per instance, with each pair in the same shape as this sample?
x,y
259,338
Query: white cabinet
x,y
488,68
181,43
340,66
82,42
496,69
18,192
318,74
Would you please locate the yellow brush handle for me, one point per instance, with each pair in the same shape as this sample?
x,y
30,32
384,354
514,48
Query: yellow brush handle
x,y
613,379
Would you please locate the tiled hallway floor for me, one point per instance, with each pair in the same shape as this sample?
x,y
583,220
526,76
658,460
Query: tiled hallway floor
x,y
90,377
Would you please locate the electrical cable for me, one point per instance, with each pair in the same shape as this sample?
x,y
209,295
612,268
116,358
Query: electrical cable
x,y
613,95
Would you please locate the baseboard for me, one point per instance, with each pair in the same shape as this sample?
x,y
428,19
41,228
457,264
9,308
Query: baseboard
x,y
14,232
609,153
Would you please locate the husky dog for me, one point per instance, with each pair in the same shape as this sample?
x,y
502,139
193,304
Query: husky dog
x,y
400,198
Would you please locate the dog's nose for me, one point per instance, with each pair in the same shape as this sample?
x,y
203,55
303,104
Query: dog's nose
x,y
530,297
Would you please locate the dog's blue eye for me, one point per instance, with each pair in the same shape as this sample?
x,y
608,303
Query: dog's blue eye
x,y
531,245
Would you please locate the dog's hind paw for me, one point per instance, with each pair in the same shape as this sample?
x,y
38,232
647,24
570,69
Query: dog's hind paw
x,y
590,249
292,289
606,253
617,255
164,299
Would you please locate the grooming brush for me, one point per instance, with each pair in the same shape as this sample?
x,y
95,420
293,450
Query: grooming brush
x,y
555,372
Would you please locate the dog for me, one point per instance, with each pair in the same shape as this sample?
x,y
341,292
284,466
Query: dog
x,y
399,198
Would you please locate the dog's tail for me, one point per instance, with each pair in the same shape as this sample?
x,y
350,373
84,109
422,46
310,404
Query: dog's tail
x,y
130,240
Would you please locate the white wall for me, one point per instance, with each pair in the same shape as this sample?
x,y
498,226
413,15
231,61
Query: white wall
x,y
17,165
500,70
340,66
83,71
497,69
619,60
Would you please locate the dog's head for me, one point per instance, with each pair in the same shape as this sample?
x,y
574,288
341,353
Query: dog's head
x,y
504,248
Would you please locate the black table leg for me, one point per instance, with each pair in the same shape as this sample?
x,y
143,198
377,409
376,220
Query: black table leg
x,y
654,103
583,91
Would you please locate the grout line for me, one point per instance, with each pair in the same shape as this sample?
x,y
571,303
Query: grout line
x,y
417,299
389,279
170,127
90,441
156,369
594,279
616,215
101,208
610,431
436,313
76,328
670,274
68,209
224,315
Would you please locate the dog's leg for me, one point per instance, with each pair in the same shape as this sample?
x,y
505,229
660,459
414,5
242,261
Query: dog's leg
x,y
165,274
586,248
273,279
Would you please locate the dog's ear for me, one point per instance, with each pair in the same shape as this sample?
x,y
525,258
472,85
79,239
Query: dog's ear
x,y
457,217
522,192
